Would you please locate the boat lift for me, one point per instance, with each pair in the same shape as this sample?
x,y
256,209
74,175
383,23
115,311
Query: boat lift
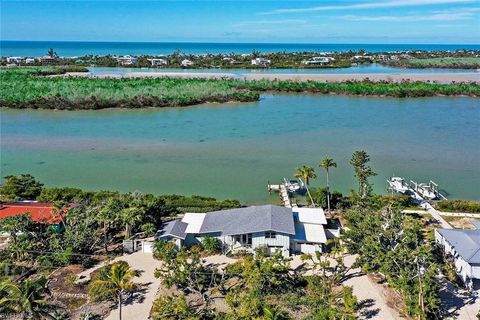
x,y
428,191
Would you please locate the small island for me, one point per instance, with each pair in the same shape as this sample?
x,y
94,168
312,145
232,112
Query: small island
x,y
56,88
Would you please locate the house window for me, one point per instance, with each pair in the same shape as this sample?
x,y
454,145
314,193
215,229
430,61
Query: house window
x,y
270,234
244,239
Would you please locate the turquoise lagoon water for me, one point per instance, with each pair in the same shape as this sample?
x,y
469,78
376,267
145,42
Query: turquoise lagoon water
x,y
231,150
362,69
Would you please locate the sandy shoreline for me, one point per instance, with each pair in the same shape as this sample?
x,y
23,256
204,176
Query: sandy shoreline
x,y
390,77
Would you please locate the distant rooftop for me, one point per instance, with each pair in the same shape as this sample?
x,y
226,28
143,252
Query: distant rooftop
x,y
39,211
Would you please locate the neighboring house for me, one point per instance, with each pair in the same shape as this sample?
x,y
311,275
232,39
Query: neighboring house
x,y
158,62
30,60
362,58
186,63
383,57
319,60
290,230
15,59
127,60
47,59
463,246
42,212
260,62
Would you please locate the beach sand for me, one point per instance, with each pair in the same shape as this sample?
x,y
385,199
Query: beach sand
x,y
390,77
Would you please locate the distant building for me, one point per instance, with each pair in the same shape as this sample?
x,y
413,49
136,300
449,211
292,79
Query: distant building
x,y
289,230
158,62
47,59
186,63
42,212
319,60
383,57
361,58
30,60
127,60
15,59
260,62
463,247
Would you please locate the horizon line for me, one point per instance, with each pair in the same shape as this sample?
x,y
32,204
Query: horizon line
x,y
243,42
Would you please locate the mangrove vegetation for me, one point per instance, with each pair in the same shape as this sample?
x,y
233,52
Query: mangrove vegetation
x,y
24,88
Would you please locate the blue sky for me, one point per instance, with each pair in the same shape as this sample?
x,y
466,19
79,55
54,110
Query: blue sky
x,y
341,21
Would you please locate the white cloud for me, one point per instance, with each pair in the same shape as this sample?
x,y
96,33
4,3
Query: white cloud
x,y
433,17
369,5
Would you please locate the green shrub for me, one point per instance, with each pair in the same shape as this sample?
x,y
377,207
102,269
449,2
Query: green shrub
x,y
211,245
459,206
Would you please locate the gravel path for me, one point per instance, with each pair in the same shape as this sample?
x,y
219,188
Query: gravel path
x,y
369,294
138,308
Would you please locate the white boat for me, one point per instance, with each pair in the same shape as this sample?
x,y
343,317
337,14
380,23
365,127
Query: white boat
x,y
426,191
293,185
398,184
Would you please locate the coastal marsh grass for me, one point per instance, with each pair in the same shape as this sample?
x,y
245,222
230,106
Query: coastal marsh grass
x,y
22,88
447,62
366,87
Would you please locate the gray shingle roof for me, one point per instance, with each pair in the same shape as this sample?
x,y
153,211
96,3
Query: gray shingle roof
x,y
465,242
248,220
476,224
175,228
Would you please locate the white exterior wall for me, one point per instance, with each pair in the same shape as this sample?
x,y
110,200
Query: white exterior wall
x,y
280,240
476,272
463,268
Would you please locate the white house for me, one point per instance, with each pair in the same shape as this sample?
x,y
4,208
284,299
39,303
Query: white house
x,y
362,58
290,230
30,60
186,63
260,62
463,246
319,60
15,59
158,62
127,60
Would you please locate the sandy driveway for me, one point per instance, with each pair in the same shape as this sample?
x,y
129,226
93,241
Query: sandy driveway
x,y
369,295
138,308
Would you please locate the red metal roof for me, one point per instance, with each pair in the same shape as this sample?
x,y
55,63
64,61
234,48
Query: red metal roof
x,y
39,211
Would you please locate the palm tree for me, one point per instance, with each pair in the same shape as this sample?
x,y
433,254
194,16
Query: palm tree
x,y
60,208
113,282
27,297
326,164
307,173
130,217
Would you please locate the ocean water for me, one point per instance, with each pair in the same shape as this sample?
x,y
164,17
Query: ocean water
x,y
232,150
80,48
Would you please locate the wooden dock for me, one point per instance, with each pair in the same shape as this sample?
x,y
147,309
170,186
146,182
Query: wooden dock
x,y
283,192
